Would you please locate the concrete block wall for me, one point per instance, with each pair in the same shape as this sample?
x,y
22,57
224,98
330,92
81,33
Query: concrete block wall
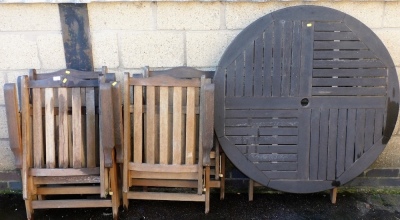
x,y
127,35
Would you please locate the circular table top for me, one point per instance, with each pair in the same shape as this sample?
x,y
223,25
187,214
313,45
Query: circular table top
x,y
306,98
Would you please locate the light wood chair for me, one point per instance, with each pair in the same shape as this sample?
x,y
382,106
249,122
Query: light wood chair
x,y
168,136
63,152
217,156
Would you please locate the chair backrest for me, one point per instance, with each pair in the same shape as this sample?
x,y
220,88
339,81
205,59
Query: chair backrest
x,y
62,132
168,118
179,72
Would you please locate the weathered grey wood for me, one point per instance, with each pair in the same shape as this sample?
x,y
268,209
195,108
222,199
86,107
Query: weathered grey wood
x,y
283,166
332,144
341,142
331,26
314,126
239,78
268,59
328,36
350,137
323,144
307,47
286,58
360,133
230,81
349,72
296,62
349,45
248,71
352,54
360,82
328,86
277,62
258,66
369,129
348,64
349,91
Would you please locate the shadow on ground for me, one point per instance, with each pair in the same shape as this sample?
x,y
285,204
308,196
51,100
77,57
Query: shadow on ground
x,y
235,206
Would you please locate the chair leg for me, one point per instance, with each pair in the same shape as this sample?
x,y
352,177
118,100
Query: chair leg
x,y
29,209
222,179
125,200
251,189
207,186
333,195
115,200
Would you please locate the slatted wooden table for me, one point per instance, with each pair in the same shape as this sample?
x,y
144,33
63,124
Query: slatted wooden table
x,y
306,99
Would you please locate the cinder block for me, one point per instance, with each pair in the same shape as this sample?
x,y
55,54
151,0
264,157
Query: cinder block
x,y
32,17
391,16
3,123
18,52
6,157
204,49
121,16
238,15
51,51
12,75
188,15
105,49
370,13
2,82
152,48
390,156
391,39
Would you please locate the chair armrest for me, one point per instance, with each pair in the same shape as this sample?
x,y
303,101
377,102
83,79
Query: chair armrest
x,y
13,122
107,141
208,123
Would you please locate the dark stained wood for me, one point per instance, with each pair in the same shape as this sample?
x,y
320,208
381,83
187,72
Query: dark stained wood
x,y
316,105
258,67
277,58
332,144
296,62
307,39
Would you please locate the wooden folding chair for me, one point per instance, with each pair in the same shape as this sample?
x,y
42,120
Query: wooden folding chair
x,y
12,97
63,152
172,123
217,156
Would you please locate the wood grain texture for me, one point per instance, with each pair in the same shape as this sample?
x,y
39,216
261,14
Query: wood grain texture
x,y
77,128
50,129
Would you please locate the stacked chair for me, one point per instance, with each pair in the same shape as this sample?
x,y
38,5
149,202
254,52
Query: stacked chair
x,y
168,137
72,136
66,146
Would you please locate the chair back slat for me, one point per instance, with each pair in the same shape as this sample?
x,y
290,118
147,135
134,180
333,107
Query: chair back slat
x,y
63,128
50,128
151,128
77,127
190,126
177,126
168,114
164,125
138,124
38,158
90,128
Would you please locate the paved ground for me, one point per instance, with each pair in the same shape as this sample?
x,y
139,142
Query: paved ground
x,y
350,205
